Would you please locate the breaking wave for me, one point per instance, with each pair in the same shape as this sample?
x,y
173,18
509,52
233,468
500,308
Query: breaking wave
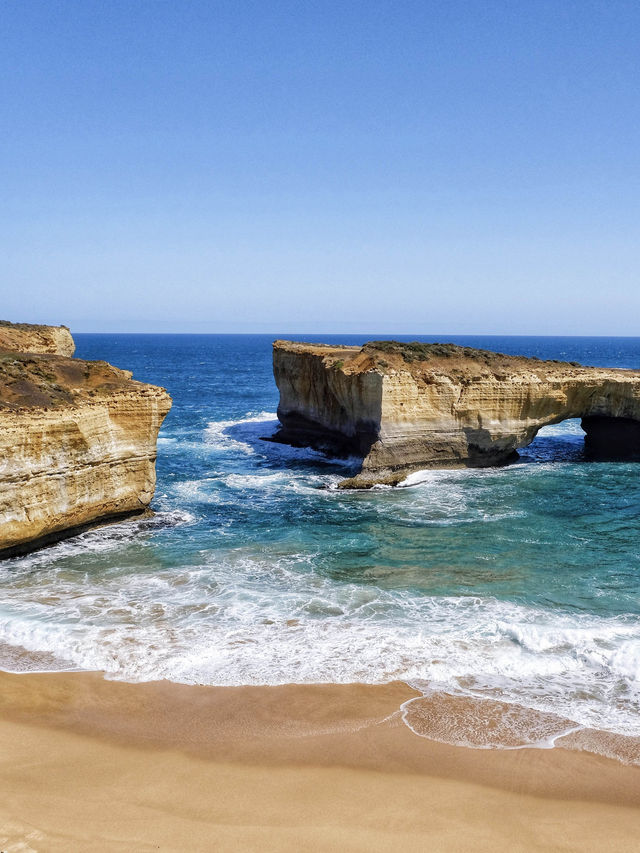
x,y
507,593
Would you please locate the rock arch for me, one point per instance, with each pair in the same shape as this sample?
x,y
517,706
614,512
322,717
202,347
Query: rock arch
x,y
410,406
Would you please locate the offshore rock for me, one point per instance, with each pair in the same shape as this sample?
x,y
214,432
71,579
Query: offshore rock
x,y
77,441
405,407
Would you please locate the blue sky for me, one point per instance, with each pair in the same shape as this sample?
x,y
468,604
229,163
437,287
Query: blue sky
x,y
408,167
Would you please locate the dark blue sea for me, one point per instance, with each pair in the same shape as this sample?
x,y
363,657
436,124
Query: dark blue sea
x,y
519,584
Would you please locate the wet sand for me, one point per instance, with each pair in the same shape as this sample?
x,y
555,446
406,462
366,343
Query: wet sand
x,y
94,765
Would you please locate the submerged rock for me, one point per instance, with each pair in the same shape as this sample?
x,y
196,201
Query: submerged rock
x,y
77,439
404,407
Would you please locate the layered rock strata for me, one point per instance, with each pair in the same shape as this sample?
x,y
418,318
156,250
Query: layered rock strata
x,y
24,337
406,407
77,444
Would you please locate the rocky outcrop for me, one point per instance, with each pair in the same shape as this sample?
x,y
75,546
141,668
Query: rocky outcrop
x,y
77,445
405,407
24,337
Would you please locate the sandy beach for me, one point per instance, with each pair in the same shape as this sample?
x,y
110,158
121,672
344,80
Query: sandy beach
x,y
320,427
89,764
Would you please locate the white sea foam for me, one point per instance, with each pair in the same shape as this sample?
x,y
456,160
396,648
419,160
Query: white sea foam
x,y
270,613
452,717
242,619
108,537
246,435
218,433
564,429
201,491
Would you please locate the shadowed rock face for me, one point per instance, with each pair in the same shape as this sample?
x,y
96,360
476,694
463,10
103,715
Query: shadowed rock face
x,y
404,407
77,443
611,438
322,405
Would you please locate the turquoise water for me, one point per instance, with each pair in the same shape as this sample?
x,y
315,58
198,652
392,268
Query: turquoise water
x,y
519,583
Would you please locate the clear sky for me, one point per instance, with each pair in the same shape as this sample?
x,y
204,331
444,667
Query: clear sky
x,y
408,167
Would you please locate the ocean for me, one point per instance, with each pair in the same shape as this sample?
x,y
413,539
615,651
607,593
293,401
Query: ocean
x,y
517,586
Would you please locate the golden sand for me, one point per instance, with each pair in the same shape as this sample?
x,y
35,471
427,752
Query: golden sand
x,y
92,765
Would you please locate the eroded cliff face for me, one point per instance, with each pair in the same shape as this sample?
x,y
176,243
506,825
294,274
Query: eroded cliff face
x,y
439,405
77,446
329,398
24,337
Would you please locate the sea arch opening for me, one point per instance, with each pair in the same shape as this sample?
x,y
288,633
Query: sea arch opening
x,y
589,438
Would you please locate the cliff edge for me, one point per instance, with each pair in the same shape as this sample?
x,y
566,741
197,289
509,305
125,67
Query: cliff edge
x,y
25,337
403,407
77,440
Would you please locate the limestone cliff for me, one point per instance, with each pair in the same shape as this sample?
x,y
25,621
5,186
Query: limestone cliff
x,y
77,445
404,407
24,337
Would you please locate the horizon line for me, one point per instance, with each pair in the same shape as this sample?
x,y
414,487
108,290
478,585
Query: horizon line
x,y
277,335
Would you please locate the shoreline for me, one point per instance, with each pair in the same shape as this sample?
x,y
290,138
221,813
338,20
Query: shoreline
x,y
315,767
454,719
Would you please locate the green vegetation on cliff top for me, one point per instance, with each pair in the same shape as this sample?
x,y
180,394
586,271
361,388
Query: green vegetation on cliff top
x,y
417,351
